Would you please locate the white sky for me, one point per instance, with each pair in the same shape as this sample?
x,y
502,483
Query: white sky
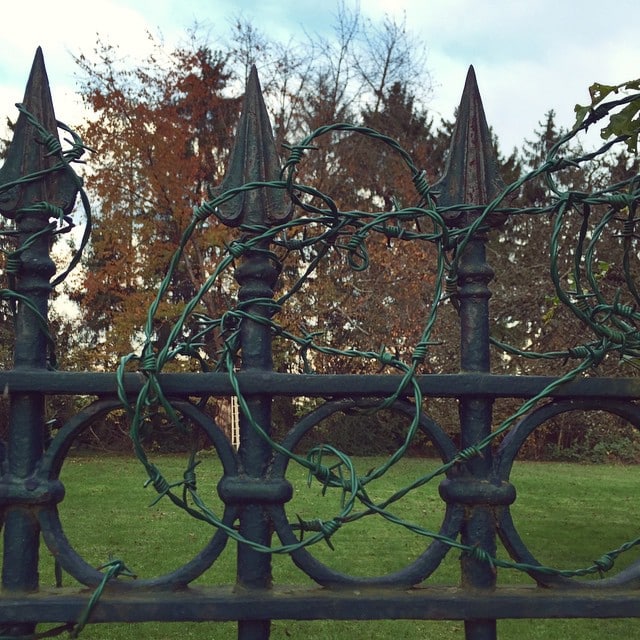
x,y
530,55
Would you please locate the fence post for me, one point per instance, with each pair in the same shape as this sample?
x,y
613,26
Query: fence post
x,y
254,159
36,190
471,177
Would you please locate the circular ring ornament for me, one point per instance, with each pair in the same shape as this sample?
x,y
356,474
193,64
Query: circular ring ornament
x,y
410,575
53,533
511,445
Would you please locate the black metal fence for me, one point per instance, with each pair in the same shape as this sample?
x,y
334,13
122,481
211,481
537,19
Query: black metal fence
x,y
39,193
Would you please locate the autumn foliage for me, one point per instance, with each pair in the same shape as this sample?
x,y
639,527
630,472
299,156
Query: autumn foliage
x,y
159,139
161,134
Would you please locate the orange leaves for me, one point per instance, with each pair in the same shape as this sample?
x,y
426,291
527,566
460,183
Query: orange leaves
x,y
160,137
162,134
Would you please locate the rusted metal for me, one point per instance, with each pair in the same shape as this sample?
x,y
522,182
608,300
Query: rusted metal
x,y
333,385
253,159
28,154
206,604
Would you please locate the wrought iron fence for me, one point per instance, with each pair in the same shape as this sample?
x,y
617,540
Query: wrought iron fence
x,y
39,191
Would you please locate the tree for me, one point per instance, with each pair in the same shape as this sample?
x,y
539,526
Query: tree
x,y
385,304
162,132
524,243
559,262
160,137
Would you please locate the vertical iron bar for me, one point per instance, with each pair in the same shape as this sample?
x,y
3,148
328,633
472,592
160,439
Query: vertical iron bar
x,y
257,277
475,421
253,159
471,177
28,154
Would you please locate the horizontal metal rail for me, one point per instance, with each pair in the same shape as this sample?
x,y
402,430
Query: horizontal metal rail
x,y
335,386
200,604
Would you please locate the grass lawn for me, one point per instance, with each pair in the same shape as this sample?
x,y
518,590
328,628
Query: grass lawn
x,y
568,515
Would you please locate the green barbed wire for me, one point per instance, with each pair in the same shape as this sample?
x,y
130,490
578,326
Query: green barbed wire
x,y
327,228
113,569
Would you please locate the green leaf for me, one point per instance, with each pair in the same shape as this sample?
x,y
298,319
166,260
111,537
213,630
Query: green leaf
x,y
581,114
599,92
625,123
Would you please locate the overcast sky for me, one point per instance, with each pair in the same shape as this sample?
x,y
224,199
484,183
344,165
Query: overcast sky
x,y
530,56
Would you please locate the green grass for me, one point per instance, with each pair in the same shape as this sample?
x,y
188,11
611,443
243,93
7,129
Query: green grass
x,y
568,515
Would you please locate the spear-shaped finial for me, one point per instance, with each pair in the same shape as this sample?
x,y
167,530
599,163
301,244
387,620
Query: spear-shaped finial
x,y
253,158
30,152
471,175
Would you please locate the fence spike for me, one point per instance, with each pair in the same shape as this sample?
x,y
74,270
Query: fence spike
x,y
253,158
471,174
25,158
